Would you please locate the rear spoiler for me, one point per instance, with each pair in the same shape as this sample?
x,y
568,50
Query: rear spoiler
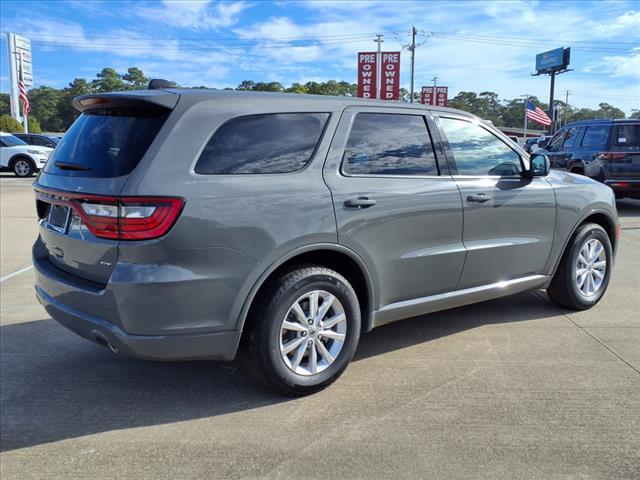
x,y
138,99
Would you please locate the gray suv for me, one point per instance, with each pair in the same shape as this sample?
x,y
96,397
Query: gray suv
x,y
182,224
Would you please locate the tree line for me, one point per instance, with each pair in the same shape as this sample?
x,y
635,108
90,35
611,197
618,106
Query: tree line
x,y
51,109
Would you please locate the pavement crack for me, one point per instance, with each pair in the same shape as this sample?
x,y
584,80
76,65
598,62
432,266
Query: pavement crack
x,y
602,344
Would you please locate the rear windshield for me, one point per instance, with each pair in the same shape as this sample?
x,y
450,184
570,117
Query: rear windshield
x,y
105,143
627,136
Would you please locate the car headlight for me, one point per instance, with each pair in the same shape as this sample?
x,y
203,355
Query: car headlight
x,y
35,152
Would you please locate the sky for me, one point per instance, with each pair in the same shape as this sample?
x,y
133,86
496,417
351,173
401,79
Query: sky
x,y
469,45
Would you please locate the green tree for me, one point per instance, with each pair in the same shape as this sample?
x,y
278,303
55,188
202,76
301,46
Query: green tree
x,y
246,85
5,104
268,87
9,124
45,103
609,111
108,80
135,79
34,125
635,113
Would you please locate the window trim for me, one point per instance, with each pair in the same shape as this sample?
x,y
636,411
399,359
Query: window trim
x,y
453,167
312,157
413,113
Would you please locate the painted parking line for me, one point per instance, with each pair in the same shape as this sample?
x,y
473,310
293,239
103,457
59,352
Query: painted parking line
x,y
16,273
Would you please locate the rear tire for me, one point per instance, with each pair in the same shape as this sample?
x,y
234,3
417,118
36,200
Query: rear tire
x,y
585,269
22,167
293,350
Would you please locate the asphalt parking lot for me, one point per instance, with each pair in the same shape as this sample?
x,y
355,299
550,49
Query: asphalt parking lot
x,y
512,388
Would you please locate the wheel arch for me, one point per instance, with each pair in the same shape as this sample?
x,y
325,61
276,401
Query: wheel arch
x,y
18,156
599,217
334,256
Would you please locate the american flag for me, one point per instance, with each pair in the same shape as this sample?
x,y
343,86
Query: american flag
x,y
537,114
24,97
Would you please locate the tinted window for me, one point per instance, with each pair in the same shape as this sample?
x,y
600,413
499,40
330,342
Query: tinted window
x,y
389,144
627,136
107,143
271,143
43,142
477,151
595,136
556,141
12,141
570,138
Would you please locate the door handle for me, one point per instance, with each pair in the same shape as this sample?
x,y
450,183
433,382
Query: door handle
x,y
480,198
360,202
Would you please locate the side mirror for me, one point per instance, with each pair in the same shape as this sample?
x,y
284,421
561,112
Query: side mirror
x,y
539,165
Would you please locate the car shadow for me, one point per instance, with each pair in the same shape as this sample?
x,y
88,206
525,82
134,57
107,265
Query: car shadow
x,y
56,386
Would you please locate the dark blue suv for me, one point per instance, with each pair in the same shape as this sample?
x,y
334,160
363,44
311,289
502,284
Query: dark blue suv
x,y
604,149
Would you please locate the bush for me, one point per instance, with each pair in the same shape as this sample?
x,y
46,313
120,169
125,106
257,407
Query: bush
x,y
10,125
34,125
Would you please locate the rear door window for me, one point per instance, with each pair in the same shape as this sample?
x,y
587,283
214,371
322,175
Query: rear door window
x,y
595,136
389,144
266,143
105,143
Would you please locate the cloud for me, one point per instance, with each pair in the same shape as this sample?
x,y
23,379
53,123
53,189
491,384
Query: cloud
x,y
194,15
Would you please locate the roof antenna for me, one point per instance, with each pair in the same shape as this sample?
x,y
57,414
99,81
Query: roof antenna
x,y
159,84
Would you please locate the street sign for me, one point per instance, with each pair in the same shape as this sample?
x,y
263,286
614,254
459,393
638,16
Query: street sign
x,y
426,96
367,64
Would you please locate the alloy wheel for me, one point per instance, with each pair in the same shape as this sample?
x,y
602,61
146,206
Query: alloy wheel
x,y
591,267
313,332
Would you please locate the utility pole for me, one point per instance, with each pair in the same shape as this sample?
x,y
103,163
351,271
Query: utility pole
x,y
379,41
433,96
566,107
412,48
526,120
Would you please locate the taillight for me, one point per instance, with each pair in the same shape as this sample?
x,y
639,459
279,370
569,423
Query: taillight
x,y
611,155
121,218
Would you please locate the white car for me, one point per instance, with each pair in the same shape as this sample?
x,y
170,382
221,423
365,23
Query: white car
x,y
21,158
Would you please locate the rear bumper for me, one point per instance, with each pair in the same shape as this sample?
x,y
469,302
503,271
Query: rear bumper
x,y
214,346
624,188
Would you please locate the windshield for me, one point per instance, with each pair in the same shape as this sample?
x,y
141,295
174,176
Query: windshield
x,y
11,141
106,143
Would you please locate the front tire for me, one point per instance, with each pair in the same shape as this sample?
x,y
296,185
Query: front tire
x,y
22,167
585,269
304,331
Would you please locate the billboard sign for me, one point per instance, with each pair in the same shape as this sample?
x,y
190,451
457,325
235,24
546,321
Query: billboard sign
x,y
367,64
441,96
390,73
553,60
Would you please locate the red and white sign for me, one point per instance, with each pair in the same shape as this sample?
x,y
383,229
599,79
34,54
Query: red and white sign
x,y
438,98
426,96
390,73
367,63
442,94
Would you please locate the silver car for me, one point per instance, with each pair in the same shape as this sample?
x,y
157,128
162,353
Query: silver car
x,y
181,224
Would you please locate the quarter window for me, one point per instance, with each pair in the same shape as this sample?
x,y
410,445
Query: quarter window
x,y
627,136
268,143
389,144
476,151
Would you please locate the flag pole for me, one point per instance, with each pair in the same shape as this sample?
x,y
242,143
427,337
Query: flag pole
x,y
526,100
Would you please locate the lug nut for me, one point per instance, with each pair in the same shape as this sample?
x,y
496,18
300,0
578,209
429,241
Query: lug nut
x,y
310,342
304,334
310,322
